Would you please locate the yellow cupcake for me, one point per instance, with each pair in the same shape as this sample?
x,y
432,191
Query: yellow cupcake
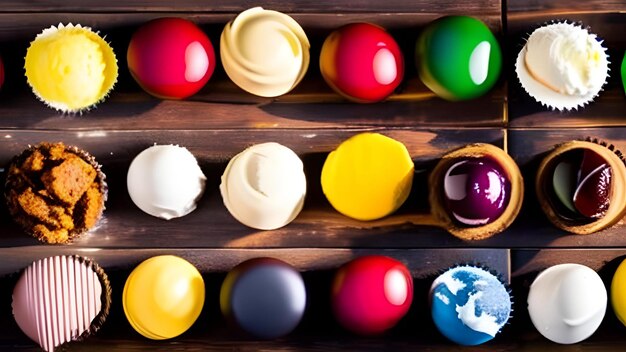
x,y
368,176
70,67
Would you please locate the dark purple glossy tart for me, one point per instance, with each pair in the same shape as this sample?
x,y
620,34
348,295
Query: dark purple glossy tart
x,y
476,191
578,188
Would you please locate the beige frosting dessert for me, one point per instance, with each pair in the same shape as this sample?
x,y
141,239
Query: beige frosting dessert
x,y
264,52
165,181
562,66
264,186
61,299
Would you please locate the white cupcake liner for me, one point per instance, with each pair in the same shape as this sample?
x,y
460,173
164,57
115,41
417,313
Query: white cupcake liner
x,y
548,97
59,106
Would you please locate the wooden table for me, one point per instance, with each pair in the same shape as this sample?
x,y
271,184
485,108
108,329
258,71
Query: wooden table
x,y
222,120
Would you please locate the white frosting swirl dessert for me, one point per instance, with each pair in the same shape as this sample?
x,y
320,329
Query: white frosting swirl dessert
x,y
562,66
264,52
264,186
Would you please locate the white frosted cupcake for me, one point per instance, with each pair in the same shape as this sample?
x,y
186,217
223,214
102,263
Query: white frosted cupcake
x,y
562,66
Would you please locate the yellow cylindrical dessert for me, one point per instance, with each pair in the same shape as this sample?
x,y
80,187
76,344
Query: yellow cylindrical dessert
x,y
368,176
70,67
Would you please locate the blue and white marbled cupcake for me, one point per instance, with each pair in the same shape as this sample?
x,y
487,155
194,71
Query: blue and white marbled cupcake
x,y
469,305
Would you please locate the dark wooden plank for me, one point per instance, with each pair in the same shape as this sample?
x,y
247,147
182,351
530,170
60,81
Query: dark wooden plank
x,y
213,342
124,225
326,6
136,110
564,6
423,263
318,329
221,104
319,225
525,262
609,108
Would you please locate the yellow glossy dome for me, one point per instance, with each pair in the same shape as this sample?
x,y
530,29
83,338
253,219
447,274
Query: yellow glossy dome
x,y
368,176
618,292
163,297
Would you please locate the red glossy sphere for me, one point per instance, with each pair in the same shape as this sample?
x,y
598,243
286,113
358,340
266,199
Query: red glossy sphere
x,y
371,294
362,62
1,72
171,58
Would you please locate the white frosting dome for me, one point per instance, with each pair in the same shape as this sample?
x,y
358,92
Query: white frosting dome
x,y
264,52
264,186
567,59
165,181
567,303
562,66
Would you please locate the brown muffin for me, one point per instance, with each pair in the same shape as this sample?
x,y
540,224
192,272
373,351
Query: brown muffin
x,y
55,192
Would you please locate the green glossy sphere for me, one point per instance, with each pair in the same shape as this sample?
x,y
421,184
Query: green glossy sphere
x,y
458,57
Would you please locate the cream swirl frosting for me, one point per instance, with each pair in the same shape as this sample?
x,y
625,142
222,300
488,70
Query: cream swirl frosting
x,y
264,52
264,186
567,59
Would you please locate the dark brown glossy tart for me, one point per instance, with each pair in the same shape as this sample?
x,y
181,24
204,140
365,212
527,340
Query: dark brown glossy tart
x,y
55,192
476,191
579,186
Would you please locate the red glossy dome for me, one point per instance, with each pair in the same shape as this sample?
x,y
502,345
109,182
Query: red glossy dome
x,y
371,294
362,62
171,58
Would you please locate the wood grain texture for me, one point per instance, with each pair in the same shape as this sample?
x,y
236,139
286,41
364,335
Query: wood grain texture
x,y
221,104
319,225
326,6
551,7
222,120
124,225
318,329
422,263
527,262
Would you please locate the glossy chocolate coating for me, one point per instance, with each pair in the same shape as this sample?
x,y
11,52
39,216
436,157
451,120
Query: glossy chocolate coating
x,y
266,297
171,58
581,185
476,191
